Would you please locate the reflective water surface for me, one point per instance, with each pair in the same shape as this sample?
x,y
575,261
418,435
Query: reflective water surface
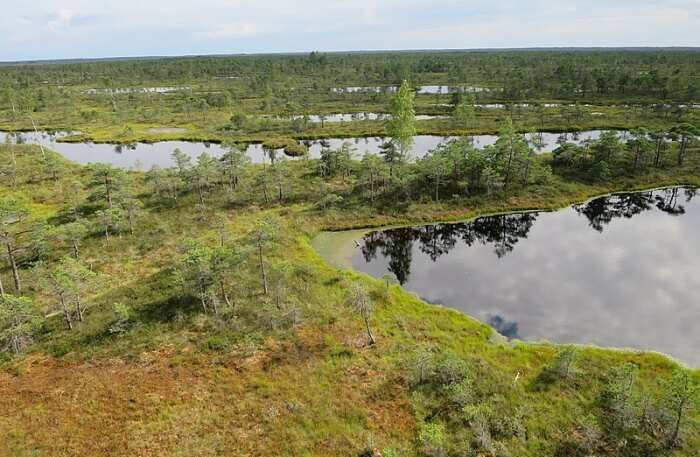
x,y
547,142
145,155
365,116
429,89
135,90
619,271
134,156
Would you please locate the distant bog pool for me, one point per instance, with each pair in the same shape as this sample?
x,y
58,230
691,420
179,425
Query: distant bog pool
x,y
620,271
146,155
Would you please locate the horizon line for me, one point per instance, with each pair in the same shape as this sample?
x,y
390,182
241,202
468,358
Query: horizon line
x,y
61,60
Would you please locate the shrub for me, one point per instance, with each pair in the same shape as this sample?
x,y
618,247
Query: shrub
x,y
122,314
216,343
432,440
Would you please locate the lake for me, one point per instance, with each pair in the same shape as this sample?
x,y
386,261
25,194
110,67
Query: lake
x,y
429,89
425,143
136,90
572,105
145,155
618,271
350,117
133,156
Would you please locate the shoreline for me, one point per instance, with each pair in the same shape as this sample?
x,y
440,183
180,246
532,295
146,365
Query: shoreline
x,y
340,256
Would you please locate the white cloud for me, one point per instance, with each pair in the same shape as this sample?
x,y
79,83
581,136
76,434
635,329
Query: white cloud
x,y
82,28
61,19
228,31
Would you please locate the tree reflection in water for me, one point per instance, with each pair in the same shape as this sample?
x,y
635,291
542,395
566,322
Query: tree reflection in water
x,y
506,230
502,231
601,211
565,282
667,200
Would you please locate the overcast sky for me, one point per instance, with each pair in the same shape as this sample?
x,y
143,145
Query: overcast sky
x,y
41,29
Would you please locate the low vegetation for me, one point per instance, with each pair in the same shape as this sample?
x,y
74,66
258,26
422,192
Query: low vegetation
x,y
183,311
255,98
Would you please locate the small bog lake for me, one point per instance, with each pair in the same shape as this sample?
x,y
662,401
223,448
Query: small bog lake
x,y
135,90
425,89
618,271
146,155
353,117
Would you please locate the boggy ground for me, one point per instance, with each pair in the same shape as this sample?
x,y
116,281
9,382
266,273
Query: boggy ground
x,y
255,382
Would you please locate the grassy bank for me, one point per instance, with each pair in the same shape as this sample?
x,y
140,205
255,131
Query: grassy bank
x,y
556,195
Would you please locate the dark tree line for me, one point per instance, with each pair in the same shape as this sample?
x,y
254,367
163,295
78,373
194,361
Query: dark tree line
x,y
584,74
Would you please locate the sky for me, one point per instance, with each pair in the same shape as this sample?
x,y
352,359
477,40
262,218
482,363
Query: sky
x,y
53,29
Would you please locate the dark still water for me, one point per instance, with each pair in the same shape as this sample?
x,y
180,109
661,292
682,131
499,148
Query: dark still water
x,y
619,271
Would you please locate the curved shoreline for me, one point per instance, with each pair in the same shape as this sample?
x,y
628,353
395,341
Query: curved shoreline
x,y
343,251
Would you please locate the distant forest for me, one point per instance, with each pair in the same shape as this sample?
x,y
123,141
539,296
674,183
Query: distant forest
x,y
578,74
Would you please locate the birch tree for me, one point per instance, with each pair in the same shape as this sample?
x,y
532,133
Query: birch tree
x,y
402,124
511,152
